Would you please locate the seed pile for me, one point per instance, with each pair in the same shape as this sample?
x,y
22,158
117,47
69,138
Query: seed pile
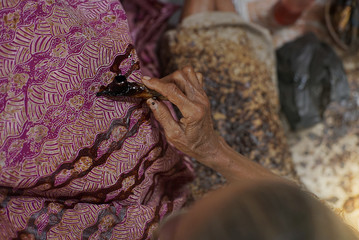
x,y
243,97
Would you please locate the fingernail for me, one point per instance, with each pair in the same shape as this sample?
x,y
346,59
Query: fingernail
x,y
151,103
146,78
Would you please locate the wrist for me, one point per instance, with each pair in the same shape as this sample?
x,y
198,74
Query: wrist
x,y
215,156
233,165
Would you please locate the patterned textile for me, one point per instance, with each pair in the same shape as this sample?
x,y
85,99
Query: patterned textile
x,y
148,20
74,166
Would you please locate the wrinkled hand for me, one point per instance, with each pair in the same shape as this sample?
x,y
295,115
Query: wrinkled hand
x,y
193,134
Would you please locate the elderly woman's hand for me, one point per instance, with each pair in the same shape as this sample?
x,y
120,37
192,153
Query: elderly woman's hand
x,y
193,134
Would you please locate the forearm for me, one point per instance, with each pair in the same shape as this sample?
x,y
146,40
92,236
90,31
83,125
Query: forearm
x,y
194,134
234,166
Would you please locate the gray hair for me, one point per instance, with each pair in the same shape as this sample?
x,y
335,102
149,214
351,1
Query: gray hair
x,y
274,211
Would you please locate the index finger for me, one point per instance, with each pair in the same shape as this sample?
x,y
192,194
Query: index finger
x,y
172,93
186,80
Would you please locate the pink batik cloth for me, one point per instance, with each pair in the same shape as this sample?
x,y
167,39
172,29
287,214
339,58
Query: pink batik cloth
x,y
72,165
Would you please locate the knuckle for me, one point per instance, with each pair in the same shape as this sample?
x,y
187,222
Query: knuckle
x,y
188,69
203,100
199,111
173,134
177,75
171,89
161,114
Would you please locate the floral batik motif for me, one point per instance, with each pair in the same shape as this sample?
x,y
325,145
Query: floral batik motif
x,y
73,165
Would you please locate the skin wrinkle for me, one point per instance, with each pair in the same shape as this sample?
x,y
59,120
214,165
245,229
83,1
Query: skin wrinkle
x,y
197,139
195,136
242,174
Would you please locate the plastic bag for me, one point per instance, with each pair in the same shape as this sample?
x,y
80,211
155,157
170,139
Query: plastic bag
x,y
310,76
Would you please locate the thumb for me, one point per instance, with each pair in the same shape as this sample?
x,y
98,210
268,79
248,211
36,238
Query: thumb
x,y
164,117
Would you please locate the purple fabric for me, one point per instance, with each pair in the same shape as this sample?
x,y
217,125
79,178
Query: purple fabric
x,y
148,20
74,166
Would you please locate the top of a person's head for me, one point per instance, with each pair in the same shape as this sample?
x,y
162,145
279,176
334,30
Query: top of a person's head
x,y
270,211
